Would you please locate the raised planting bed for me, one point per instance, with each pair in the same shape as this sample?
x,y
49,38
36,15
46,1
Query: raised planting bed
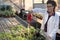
x,y
20,32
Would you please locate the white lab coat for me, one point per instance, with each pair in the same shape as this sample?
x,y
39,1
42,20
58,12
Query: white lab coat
x,y
52,25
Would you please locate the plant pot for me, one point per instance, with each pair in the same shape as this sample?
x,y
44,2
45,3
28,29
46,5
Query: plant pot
x,y
3,15
12,15
7,16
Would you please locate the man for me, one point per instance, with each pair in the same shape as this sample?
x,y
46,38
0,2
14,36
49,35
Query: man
x,y
50,21
29,18
21,12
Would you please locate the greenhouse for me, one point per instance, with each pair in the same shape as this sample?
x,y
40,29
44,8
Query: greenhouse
x,y
26,20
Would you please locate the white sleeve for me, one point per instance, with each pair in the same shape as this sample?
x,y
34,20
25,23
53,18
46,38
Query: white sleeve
x,y
42,25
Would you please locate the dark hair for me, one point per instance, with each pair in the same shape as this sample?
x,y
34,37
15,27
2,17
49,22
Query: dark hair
x,y
53,4
22,10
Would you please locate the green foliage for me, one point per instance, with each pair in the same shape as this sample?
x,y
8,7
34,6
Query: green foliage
x,y
2,35
6,10
5,7
20,32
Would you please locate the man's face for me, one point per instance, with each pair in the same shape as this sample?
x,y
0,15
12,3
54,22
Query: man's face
x,y
50,8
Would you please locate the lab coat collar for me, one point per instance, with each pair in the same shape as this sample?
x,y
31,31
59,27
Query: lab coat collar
x,y
52,14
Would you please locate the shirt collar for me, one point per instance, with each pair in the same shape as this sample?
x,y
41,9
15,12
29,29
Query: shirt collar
x,y
54,14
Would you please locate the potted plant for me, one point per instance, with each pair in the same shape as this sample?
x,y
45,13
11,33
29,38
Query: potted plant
x,y
12,14
8,14
6,11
